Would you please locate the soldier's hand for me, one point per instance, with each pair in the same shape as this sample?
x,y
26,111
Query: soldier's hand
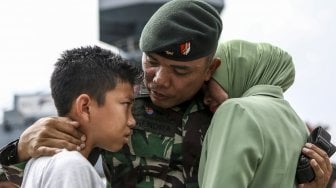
x,y
48,135
321,165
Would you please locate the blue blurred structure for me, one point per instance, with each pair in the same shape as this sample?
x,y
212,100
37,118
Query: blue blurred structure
x,y
27,108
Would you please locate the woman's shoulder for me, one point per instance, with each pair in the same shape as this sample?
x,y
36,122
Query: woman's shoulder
x,y
244,103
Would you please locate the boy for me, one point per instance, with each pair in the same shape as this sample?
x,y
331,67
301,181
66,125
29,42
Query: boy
x,y
94,87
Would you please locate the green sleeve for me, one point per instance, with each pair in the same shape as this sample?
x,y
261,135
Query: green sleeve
x,y
232,148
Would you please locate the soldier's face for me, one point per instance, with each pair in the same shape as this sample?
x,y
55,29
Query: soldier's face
x,y
173,82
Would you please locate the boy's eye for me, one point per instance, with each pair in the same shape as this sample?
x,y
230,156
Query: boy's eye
x,y
128,103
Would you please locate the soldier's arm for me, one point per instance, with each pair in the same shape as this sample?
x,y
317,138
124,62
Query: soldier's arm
x,y
43,138
5,159
46,135
12,175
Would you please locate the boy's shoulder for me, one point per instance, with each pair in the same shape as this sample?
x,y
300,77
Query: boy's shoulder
x,y
61,160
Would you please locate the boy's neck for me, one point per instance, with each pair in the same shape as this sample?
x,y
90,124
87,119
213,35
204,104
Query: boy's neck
x,y
89,144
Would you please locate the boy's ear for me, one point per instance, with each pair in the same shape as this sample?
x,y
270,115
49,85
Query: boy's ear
x,y
82,106
213,67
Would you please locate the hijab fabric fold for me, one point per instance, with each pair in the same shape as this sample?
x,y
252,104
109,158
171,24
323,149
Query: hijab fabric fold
x,y
245,64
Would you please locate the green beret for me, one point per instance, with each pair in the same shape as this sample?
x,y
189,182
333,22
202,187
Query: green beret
x,y
182,30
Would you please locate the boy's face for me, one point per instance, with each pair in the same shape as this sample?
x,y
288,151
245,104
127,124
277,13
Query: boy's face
x,y
112,122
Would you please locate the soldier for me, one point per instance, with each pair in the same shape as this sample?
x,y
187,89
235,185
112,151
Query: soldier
x,y
179,42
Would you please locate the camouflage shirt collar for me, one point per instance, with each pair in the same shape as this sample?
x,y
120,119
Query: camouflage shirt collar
x,y
193,105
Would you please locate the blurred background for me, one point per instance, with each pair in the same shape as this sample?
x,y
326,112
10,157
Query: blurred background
x,y
34,33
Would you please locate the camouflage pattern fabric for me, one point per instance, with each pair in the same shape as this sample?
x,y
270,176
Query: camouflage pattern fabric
x,y
164,149
9,171
2,174
12,173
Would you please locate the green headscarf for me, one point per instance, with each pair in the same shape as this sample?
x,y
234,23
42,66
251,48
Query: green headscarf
x,y
245,64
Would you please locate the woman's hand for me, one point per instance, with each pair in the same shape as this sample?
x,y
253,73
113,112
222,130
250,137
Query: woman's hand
x,y
321,165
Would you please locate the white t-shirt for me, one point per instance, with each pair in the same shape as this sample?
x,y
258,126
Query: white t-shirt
x,y
65,169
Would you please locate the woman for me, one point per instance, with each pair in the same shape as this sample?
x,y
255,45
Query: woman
x,y
255,137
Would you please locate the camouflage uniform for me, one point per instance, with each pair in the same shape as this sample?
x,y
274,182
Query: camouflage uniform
x,y
8,170
163,151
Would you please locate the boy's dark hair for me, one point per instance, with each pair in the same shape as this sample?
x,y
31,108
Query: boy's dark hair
x,y
90,70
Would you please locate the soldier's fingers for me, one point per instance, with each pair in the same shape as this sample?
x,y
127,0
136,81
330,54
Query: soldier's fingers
x,y
61,128
68,120
49,151
46,151
47,147
59,135
58,143
60,123
70,128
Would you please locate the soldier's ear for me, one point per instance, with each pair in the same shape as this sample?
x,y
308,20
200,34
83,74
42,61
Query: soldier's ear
x,y
213,67
215,64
